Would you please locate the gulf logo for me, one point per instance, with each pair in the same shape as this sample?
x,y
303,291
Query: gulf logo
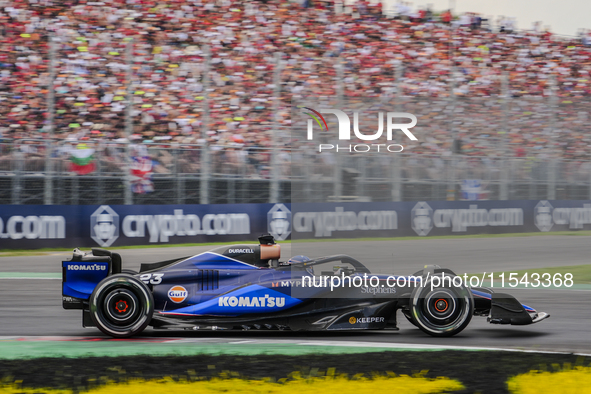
x,y
177,294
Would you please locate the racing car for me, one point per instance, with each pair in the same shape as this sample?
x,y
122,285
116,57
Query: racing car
x,y
246,286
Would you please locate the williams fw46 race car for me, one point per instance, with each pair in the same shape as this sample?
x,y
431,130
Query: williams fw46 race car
x,y
246,287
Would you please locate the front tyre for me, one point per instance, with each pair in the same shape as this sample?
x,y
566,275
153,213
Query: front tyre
x,y
121,306
442,311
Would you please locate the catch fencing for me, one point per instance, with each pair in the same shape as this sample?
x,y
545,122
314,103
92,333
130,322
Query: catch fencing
x,y
39,172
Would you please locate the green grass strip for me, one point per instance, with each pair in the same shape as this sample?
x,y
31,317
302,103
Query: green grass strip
x,y
13,349
45,251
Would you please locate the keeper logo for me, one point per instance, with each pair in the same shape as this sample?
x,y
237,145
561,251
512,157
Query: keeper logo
x,y
365,320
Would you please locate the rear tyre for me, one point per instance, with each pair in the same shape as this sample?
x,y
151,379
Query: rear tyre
x,y
442,311
121,306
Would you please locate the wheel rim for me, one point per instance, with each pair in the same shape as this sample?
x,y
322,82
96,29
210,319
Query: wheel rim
x,y
121,306
440,306
442,310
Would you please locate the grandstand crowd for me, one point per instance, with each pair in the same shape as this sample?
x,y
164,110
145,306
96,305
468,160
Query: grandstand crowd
x,y
438,55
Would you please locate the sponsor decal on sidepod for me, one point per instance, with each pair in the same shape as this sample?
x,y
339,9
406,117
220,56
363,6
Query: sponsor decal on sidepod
x,y
266,301
177,294
240,251
354,320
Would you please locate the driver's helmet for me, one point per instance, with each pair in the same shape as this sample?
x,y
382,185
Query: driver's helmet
x,y
301,259
298,259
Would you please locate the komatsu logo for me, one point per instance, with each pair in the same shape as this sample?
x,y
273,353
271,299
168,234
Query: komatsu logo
x,y
87,267
257,302
240,251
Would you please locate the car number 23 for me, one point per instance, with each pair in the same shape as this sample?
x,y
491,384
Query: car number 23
x,y
151,279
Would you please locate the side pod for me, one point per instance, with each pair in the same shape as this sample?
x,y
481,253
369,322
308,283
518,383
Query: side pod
x,y
505,309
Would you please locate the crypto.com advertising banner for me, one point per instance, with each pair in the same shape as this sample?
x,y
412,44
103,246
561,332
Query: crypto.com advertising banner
x,y
38,226
326,221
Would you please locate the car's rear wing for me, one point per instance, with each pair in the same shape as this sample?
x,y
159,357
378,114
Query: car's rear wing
x,y
83,272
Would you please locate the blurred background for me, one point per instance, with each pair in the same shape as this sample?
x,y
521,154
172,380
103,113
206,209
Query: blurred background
x,y
159,102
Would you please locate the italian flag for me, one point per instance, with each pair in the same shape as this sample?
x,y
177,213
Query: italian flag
x,y
82,160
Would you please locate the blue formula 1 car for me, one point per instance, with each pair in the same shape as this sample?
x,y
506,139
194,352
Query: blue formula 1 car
x,y
247,287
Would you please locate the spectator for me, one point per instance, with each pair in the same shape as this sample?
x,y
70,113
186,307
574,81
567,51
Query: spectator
x,y
168,68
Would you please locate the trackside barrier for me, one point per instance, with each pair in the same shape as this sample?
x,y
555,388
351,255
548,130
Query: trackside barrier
x,y
42,226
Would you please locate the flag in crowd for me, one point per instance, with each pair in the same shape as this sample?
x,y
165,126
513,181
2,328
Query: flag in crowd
x,y
141,172
82,159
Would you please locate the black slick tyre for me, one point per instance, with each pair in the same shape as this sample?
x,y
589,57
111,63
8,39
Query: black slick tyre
x,y
121,306
441,311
